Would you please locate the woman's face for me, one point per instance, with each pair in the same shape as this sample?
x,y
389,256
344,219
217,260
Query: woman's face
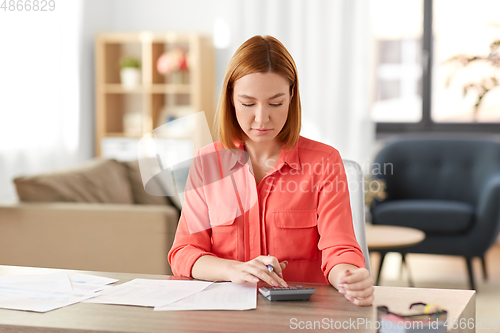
x,y
261,101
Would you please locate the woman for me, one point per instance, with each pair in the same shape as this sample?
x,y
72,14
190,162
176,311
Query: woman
x,y
288,207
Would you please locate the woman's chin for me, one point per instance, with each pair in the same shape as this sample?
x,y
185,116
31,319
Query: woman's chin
x,y
261,138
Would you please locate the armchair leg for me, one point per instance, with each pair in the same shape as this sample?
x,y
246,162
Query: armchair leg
x,y
468,260
485,274
382,257
403,257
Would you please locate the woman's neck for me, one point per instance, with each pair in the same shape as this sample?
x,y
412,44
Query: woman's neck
x,y
262,151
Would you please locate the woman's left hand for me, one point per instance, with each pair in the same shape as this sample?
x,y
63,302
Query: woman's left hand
x,y
357,286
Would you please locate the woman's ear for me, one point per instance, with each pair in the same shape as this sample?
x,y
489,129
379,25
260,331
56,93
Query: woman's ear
x,y
291,91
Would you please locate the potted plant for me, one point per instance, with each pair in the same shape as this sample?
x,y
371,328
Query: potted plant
x,y
375,189
130,73
487,83
175,63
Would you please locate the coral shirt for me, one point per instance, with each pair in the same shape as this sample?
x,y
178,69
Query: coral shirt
x,y
299,212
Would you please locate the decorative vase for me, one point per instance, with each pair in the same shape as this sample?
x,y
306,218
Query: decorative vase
x,y
132,123
130,77
179,77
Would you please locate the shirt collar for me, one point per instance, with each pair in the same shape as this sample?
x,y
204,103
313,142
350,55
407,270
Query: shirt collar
x,y
237,157
289,157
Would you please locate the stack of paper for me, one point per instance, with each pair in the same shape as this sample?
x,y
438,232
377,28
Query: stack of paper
x,y
166,295
146,292
46,292
218,296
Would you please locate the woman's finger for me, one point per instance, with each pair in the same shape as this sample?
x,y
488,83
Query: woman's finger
x,y
355,276
367,301
247,277
275,269
283,265
358,293
273,261
262,273
279,278
361,285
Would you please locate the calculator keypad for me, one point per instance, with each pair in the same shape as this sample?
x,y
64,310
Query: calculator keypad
x,y
287,293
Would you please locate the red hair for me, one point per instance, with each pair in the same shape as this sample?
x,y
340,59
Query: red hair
x,y
259,54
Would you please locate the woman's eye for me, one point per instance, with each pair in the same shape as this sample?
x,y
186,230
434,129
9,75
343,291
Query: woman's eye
x,y
276,105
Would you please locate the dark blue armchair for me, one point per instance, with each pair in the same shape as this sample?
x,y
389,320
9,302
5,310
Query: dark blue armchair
x,y
450,189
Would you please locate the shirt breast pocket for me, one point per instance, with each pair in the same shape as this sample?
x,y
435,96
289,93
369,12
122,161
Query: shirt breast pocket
x,y
224,232
295,235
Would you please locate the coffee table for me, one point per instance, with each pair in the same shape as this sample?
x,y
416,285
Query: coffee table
x,y
388,238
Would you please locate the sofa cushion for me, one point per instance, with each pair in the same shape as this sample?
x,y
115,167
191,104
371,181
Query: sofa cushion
x,y
97,180
430,216
139,194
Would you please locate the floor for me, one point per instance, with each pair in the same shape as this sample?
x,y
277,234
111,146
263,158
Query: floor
x,y
432,271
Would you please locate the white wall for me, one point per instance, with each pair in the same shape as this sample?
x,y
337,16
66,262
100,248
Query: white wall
x,y
95,17
329,41
324,27
156,16
45,120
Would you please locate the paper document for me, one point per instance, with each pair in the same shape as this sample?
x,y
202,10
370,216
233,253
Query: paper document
x,y
86,284
46,292
38,301
218,296
80,278
146,292
57,282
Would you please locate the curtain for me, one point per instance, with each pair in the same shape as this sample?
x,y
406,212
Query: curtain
x,y
39,92
330,42
46,93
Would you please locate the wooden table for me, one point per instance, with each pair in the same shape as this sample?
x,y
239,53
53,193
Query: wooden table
x,y
327,307
387,238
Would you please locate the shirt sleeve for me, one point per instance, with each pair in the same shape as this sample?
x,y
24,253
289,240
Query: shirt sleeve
x,y
193,235
337,241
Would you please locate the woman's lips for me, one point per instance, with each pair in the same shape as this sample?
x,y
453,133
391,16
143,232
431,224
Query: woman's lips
x,y
262,131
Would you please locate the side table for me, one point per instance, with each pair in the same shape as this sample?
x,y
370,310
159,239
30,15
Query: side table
x,y
387,238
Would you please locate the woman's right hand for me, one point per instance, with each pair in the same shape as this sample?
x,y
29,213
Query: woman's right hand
x,y
256,269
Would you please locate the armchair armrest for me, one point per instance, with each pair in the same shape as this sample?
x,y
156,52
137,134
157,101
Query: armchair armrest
x,y
100,237
488,211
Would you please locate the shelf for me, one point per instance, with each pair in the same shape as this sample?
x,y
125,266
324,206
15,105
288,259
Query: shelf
x,y
126,114
155,88
146,36
121,135
171,88
119,89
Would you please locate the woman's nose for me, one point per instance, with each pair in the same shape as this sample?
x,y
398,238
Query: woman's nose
x,y
261,114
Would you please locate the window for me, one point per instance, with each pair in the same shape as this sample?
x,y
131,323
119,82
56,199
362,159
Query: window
x,y
398,72
417,88
39,80
469,30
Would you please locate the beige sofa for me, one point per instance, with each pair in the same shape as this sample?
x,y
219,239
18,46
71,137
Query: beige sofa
x,y
94,217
